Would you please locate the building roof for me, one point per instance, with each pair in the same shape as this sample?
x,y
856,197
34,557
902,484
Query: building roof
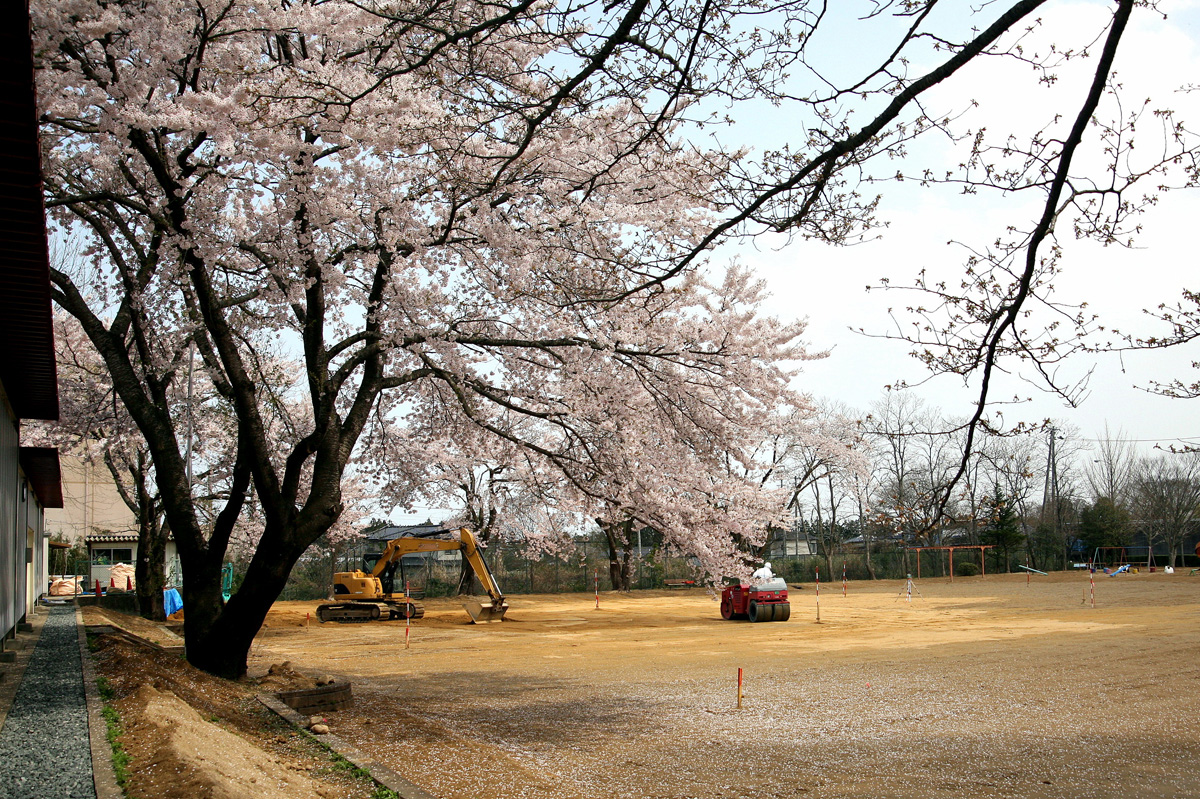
x,y
111,538
116,537
42,470
407,531
27,366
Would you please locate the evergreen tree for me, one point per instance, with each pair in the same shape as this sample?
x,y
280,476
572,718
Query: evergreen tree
x,y
1003,527
1104,524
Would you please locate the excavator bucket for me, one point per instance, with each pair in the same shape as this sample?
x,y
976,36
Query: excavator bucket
x,y
481,612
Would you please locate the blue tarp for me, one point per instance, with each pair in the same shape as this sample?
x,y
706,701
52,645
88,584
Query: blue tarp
x,y
172,601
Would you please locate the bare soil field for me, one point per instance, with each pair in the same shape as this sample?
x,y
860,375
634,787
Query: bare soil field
x,y
984,687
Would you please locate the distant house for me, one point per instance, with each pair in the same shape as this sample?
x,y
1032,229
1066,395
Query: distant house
x,y
789,548
375,541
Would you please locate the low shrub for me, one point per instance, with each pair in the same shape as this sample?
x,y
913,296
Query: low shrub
x,y
966,569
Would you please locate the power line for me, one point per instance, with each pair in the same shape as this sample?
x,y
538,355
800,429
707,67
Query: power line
x,y
1183,439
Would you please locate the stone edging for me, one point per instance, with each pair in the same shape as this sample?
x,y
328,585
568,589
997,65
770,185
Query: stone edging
x,y
378,771
103,776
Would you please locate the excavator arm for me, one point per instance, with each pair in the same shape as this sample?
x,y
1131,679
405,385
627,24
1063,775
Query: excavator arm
x,y
482,611
469,547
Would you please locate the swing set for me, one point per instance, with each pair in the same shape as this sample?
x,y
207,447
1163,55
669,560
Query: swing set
x,y
1116,557
982,555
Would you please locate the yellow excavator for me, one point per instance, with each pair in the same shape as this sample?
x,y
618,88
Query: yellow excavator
x,y
371,595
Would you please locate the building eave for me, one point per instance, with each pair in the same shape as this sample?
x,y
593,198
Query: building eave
x,y
44,474
27,365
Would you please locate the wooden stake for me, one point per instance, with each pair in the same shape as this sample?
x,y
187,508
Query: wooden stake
x,y
739,688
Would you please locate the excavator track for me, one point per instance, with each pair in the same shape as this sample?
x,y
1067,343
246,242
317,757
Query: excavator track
x,y
362,612
349,612
411,609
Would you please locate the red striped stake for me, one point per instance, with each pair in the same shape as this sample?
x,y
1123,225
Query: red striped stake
x,y
407,614
843,579
739,687
1092,580
818,569
306,616
596,577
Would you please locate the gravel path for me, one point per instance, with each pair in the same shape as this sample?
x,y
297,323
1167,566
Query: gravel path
x,y
44,745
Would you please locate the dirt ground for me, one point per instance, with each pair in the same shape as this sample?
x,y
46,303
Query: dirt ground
x,y
984,687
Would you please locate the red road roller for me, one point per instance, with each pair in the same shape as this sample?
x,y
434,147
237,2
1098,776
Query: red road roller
x,y
767,601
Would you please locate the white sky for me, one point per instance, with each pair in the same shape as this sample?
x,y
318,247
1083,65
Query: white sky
x,y
826,284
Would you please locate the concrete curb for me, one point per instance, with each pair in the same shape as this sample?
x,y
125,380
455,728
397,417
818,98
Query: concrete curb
x,y
103,776
378,771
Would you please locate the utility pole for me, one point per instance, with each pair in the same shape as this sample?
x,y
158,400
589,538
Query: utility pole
x,y
1050,494
639,560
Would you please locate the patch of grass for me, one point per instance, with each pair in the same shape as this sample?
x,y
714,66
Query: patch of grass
x,y
105,688
120,758
93,643
342,764
337,763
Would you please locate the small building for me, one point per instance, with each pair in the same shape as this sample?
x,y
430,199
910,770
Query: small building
x,y
375,541
106,550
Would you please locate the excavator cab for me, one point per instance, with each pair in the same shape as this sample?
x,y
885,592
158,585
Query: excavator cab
x,y
387,576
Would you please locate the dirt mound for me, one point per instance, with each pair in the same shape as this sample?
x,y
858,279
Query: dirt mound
x,y
282,677
183,756
226,707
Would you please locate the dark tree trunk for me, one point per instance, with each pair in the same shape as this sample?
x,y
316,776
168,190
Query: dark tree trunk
x,y
149,573
467,581
218,635
620,560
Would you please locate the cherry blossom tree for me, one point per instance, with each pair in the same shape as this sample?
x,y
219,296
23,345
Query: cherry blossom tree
x,y
437,220
490,214
93,425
